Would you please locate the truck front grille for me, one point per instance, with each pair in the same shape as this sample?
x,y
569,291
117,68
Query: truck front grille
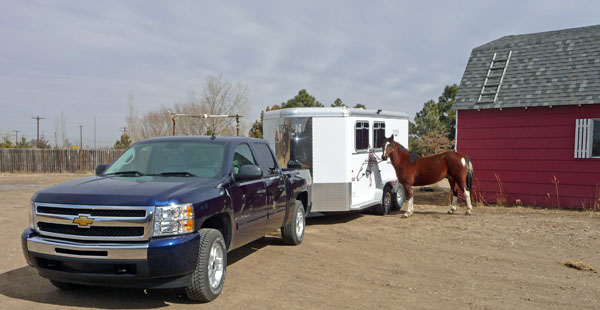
x,y
92,231
92,212
94,223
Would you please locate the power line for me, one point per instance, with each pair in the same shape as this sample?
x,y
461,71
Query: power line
x,y
81,137
38,118
16,138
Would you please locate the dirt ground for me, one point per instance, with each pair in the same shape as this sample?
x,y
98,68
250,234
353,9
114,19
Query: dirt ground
x,y
499,258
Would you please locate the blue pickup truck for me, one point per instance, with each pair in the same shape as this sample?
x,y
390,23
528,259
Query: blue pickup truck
x,y
165,214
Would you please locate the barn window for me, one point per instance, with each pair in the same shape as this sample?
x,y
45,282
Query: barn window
x,y
587,138
378,134
361,136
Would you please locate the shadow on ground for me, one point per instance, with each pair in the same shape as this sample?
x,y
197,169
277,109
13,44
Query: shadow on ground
x,y
24,283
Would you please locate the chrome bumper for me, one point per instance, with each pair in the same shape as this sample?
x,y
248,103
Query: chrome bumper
x,y
108,251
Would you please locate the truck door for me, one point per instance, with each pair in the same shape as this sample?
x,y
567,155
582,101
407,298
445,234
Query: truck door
x,y
274,183
249,199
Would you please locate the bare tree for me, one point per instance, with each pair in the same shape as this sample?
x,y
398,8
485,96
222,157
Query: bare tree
x,y
219,97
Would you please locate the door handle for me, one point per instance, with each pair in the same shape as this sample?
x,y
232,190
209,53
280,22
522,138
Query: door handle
x,y
261,191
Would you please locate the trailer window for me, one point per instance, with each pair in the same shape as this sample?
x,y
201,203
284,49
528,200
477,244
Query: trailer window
x,y
361,136
265,159
378,134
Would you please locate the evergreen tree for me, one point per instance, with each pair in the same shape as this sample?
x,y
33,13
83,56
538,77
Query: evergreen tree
x,y
303,99
435,124
123,143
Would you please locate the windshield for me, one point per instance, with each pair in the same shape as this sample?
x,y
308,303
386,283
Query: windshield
x,y
171,158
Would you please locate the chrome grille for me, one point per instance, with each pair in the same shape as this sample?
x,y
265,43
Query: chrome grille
x,y
110,223
91,231
92,212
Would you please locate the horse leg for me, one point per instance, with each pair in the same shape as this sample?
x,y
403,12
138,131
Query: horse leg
x,y
468,199
453,195
409,194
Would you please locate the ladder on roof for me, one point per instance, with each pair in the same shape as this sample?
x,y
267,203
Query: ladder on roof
x,y
493,79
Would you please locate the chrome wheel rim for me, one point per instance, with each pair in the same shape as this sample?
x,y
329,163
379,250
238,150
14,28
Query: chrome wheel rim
x,y
400,197
299,223
215,266
387,200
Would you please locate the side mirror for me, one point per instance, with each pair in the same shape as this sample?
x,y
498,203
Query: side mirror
x,y
248,172
100,168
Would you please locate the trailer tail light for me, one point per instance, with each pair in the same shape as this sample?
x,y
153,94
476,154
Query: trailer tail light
x,y
173,220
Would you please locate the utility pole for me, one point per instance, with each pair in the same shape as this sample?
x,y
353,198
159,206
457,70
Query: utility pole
x,y
94,133
38,118
55,141
124,130
16,138
80,137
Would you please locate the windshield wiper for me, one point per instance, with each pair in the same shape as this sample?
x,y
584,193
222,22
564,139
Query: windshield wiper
x,y
175,174
126,173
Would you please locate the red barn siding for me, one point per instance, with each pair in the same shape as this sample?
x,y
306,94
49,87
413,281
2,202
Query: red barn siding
x,y
527,149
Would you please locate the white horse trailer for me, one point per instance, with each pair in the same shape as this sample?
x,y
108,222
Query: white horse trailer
x,y
342,148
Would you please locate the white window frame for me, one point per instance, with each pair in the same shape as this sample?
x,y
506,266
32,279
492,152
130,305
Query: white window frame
x,y
584,138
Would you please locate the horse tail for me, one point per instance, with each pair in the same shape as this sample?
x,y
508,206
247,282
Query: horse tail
x,y
469,174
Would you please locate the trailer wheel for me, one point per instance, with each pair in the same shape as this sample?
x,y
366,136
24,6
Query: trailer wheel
x,y
293,232
398,199
209,276
386,202
64,285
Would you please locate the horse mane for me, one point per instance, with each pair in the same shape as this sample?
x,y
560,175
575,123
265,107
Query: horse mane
x,y
412,156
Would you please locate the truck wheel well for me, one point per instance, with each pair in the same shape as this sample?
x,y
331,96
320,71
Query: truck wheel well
x,y
222,223
304,198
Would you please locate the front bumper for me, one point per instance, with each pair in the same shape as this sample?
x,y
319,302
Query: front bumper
x,y
158,263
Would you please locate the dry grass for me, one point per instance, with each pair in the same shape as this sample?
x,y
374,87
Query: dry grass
x,y
578,266
501,199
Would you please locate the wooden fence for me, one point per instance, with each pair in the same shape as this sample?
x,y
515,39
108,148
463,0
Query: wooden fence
x,y
54,161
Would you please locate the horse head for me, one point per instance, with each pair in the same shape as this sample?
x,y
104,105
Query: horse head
x,y
388,147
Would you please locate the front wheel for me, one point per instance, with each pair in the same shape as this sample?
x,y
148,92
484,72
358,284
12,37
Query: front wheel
x,y
209,276
386,202
293,232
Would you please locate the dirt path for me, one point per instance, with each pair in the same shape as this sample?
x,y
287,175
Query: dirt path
x,y
499,258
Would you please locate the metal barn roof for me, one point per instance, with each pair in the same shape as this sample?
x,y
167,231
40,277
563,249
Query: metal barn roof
x,y
540,69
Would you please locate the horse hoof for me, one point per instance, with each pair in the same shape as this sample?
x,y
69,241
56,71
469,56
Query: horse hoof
x,y
451,212
405,215
468,212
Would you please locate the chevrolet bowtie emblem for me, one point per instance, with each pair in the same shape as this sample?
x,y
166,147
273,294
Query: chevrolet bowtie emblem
x,y
83,221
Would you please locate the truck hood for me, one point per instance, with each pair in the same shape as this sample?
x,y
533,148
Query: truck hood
x,y
125,191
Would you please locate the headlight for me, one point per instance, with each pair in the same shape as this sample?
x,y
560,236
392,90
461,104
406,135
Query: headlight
x,y
173,220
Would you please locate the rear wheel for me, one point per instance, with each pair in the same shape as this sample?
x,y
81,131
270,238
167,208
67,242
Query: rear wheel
x,y
293,232
209,276
386,202
398,198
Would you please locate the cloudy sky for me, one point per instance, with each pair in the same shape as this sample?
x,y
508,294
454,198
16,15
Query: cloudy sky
x,y
85,57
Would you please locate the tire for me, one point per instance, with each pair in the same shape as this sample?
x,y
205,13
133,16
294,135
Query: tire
x,y
64,285
386,202
293,232
398,199
209,276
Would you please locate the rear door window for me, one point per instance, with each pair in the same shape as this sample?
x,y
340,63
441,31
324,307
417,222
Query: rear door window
x,y
265,159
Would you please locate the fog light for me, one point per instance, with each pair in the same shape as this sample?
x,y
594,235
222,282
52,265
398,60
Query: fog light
x,y
173,220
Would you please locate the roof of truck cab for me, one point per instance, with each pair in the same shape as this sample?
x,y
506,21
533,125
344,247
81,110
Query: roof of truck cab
x,y
333,112
217,139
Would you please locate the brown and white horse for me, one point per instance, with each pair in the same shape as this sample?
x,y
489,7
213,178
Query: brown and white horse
x,y
413,170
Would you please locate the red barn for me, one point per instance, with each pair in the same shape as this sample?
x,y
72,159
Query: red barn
x,y
528,116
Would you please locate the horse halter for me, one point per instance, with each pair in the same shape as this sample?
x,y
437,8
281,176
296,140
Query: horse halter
x,y
386,153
